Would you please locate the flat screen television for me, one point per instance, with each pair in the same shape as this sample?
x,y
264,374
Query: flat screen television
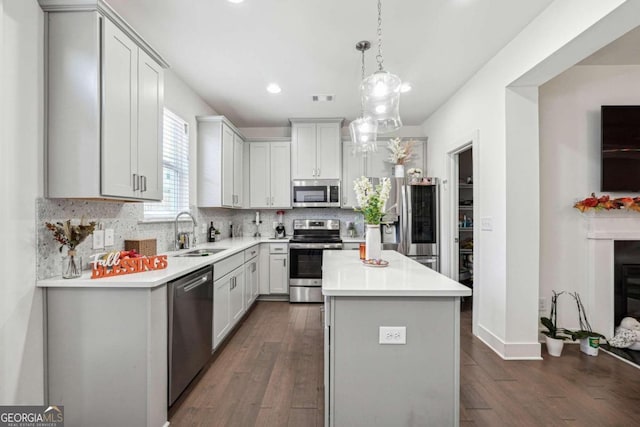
x,y
620,169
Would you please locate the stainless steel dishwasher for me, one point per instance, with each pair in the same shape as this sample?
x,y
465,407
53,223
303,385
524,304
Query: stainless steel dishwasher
x,y
190,301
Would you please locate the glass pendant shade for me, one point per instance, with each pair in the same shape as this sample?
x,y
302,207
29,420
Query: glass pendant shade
x,y
381,100
364,133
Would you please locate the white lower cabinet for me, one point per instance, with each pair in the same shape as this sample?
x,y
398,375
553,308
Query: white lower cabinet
x,y
263,262
251,275
278,274
279,268
236,295
235,288
221,309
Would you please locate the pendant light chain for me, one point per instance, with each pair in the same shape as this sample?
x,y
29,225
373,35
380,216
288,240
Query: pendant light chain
x,y
379,56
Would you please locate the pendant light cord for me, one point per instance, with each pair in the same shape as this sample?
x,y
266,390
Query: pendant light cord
x,y
361,102
379,56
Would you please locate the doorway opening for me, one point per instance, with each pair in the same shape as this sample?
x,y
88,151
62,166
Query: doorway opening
x,y
463,207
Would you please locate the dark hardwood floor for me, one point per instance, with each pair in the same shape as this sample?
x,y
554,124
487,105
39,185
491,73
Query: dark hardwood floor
x,y
270,373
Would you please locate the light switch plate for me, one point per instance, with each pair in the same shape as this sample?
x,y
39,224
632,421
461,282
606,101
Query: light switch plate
x,y
108,237
98,239
393,335
486,223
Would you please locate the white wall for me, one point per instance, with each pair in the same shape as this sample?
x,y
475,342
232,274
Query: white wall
x,y
506,275
21,183
570,157
183,101
21,100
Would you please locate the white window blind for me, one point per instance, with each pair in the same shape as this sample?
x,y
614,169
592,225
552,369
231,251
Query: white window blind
x,y
175,170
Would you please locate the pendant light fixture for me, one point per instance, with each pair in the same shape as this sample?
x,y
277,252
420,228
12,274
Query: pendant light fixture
x,y
364,129
381,91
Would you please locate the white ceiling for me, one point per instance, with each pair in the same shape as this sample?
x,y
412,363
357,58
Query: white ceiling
x,y
228,53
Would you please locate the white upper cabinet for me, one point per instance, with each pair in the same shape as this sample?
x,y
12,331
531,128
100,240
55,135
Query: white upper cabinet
x,y
104,106
237,171
353,167
315,148
150,105
269,174
220,163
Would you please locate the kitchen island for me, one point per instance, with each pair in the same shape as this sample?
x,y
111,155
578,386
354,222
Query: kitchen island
x,y
411,379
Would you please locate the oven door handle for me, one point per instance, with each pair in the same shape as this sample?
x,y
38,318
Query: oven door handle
x,y
315,245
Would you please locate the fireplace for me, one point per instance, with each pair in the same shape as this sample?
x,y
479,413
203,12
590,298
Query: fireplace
x,y
603,295
626,279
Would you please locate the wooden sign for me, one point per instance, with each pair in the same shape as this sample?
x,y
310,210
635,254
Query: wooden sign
x,y
119,263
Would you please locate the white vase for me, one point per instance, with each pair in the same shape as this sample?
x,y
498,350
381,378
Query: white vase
x,y
373,242
398,171
554,346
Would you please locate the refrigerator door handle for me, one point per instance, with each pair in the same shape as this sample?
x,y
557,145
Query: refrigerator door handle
x,y
403,220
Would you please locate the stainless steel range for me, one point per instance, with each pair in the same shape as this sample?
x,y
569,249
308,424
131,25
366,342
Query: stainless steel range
x,y
310,238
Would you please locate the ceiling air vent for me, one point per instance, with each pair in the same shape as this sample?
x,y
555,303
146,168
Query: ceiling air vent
x,y
322,98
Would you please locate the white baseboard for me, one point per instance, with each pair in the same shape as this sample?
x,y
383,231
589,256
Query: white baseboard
x,y
509,351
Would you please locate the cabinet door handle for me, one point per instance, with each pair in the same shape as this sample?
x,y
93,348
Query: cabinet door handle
x,y
318,172
267,201
284,263
253,267
136,182
144,182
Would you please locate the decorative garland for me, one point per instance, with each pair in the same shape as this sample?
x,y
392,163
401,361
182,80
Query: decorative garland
x,y
606,202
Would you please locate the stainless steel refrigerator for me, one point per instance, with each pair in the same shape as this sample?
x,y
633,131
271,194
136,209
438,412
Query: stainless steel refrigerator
x,y
412,225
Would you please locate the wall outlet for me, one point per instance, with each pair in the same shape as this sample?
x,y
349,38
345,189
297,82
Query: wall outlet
x,y
393,335
98,239
486,223
542,305
108,237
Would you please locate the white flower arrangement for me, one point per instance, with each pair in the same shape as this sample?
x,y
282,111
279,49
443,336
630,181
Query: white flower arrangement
x,y
372,200
400,151
415,172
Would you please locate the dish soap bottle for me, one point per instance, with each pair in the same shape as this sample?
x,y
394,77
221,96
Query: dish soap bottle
x,y
211,236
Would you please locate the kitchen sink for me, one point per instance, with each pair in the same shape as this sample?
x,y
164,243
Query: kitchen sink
x,y
200,252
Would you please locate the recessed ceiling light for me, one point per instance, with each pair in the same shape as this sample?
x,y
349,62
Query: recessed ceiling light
x,y
235,1
405,87
273,88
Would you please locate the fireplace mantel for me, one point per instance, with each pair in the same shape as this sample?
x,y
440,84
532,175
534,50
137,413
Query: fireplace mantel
x,y
602,229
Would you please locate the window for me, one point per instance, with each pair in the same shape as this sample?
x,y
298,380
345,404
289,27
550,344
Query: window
x,y
175,170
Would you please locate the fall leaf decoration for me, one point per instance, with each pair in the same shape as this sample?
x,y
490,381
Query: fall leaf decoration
x,y
70,235
607,203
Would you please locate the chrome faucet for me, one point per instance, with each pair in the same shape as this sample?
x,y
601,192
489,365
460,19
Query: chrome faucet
x,y
186,242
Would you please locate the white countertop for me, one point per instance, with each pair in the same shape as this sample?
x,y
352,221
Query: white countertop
x,y
177,267
343,274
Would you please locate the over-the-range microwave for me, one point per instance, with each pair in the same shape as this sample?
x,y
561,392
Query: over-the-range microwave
x,y
319,193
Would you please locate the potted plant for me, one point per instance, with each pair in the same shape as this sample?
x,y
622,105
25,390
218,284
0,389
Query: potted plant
x,y
554,338
400,153
372,202
589,340
70,236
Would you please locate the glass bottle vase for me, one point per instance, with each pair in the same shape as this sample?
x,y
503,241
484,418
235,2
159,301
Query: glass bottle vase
x,y
71,265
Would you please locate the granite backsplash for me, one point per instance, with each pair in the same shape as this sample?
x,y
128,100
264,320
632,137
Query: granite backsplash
x,y
126,219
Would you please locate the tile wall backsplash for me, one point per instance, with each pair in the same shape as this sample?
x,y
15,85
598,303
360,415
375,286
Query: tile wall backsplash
x,y
125,219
